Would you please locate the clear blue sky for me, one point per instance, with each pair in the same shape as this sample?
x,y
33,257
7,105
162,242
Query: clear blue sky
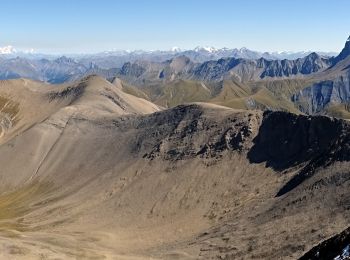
x,y
95,25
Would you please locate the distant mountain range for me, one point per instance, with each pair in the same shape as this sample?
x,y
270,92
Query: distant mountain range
x,y
238,78
58,69
314,84
113,59
199,54
176,158
242,70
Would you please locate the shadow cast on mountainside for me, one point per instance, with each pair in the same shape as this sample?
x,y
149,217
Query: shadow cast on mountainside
x,y
338,245
286,140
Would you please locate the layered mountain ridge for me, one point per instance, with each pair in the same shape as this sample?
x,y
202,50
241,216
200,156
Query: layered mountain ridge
x,y
40,68
314,84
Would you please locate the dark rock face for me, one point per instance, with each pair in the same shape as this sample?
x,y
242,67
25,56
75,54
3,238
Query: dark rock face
x,y
344,53
335,90
313,63
336,246
315,98
132,69
286,140
216,70
59,70
181,137
285,68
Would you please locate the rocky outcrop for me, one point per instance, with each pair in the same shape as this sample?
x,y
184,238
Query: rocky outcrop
x,y
336,247
216,70
286,140
286,68
186,123
132,69
316,97
332,88
344,53
262,68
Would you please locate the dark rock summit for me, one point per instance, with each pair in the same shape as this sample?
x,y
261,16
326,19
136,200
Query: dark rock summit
x,y
344,53
287,140
332,89
336,247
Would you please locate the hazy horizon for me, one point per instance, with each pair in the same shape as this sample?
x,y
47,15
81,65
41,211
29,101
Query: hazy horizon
x,y
82,53
92,27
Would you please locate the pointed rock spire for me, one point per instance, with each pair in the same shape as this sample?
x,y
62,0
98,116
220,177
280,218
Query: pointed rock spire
x,y
344,53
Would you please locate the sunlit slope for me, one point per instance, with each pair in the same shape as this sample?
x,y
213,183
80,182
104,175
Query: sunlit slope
x,y
106,175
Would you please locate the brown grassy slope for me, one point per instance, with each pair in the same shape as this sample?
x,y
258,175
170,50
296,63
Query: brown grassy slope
x,y
339,111
181,92
101,178
264,94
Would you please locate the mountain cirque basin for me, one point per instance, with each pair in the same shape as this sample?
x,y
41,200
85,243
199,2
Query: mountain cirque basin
x,y
91,172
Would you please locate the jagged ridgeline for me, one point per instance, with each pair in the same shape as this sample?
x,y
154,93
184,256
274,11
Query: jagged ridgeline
x,y
312,84
227,158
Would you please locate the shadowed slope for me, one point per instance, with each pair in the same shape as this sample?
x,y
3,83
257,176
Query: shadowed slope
x,y
107,175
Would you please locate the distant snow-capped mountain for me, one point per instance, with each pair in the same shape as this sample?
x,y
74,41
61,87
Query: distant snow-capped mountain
x,y
19,63
117,58
7,50
246,53
10,50
206,49
207,52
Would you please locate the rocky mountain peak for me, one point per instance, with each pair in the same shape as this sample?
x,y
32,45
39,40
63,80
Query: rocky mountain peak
x,y
179,62
313,55
64,59
344,53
